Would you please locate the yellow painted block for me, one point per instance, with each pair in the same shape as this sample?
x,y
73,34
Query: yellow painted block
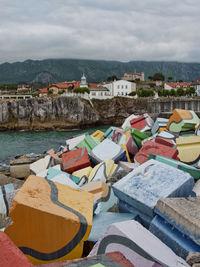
x,y
102,171
189,149
98,134
162,129
50,221
127,154
83,172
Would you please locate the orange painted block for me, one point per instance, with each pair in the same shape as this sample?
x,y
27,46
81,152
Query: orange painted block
x,y
50,221
75,160
10,255
99,189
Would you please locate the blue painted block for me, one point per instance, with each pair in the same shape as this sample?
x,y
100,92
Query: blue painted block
x,y
7,188
159,122
181,245
103,220
151,181
108,150
138,215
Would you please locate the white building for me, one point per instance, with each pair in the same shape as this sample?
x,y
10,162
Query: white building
x,y
176,85
99,92
120,87
196,85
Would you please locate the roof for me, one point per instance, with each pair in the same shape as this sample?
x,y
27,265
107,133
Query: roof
x,y
93,84
178,84
64,85
43,90
133,73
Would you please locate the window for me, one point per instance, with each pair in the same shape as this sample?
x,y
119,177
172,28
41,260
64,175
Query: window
x,y
122,86
126,86
122,93
117,86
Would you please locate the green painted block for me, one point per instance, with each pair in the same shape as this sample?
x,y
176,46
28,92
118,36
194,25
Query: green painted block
x,y
108,133
89,142
138,136
195,173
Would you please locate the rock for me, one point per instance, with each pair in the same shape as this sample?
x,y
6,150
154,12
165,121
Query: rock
x,y
192,258
9,180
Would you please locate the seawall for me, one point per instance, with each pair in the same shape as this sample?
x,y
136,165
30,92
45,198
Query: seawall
x,y
73,112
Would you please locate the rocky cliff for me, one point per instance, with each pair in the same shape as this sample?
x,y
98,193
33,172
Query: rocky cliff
x,y
65,113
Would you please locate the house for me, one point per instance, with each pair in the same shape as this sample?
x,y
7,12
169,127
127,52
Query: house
x,y
23,89
196,85
129,76
43,92
121,87
176,85
63,87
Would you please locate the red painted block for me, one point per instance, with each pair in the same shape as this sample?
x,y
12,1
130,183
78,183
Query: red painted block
x,y
10,255
75,160
138,123
155,148
163,141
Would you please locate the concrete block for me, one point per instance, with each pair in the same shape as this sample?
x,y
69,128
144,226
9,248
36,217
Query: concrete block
x,y
109,132
40,165
159,123
103,220
182,120
137,244
107,150
127,166
10,255
99,135
75,160
89,142
127,121
142,123
189,149
20,171
151,181
103,195
194,172
50,220
155,148
73,142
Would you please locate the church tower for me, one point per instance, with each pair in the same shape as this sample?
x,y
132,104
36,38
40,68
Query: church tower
x,y
83,82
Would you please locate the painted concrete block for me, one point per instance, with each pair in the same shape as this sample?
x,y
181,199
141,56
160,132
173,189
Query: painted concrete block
x,y
103,220
75,160
127,121
103,195
11,255
102,171
189,149
163,141
159,123
133,241
138,137
44,173
99,135
89,142
50,221
142,123
109,132
155,148
182,120
62,178
107,150
40,165
83,175
194,172
151,181
73,142
197,130
196,188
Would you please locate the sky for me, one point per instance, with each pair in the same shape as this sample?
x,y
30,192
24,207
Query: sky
x,y
123,30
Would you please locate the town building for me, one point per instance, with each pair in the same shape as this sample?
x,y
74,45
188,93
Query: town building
x,y
99,92
120,87
176,85
23,89
129,76
63,87
43,92
196,85
83,82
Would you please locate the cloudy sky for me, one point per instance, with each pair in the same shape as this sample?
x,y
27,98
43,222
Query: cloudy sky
x,y
122,30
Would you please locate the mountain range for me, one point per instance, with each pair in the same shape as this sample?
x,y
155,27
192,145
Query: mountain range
x,y
58,70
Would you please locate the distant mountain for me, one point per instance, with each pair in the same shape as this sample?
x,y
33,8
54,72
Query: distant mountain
x,y
57,70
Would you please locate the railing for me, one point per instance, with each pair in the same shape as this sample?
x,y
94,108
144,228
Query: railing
x,y
15,96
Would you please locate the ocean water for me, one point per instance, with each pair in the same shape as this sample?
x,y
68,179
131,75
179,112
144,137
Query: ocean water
x,y
19,143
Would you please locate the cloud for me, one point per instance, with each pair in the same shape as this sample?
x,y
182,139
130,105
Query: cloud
x,y
122,30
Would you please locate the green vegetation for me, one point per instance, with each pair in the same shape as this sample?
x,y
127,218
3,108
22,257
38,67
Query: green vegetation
x,y
158,77
179,92
145,93
8,87
132,93
81,90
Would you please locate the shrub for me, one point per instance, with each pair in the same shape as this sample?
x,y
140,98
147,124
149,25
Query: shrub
x,y
81,90
132,93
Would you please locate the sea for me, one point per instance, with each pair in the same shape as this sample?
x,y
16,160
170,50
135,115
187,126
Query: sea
x,y
32,143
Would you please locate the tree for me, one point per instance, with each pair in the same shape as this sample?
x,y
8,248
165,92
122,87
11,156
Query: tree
x,y
180,92
133,93
172,92
81,90
50,92
192,90
180,81
150,78
158,77
112,78
170,78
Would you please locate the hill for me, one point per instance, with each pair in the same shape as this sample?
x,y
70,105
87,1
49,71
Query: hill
x,y
57,70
